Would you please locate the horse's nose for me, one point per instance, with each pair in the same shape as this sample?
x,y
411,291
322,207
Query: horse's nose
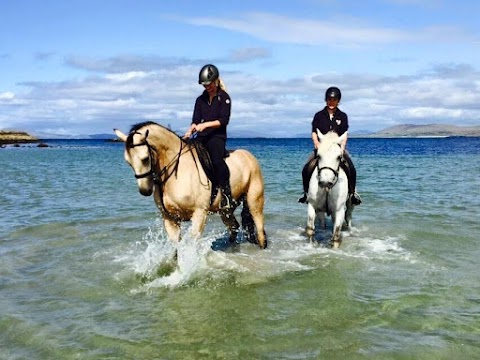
x,y
145,192
325,184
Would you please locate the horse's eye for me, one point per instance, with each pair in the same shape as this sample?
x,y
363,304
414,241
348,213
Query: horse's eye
x,y
145,161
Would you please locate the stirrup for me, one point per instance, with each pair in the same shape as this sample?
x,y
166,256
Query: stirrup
x,y
225,202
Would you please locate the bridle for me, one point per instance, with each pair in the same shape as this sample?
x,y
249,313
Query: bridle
x,y
334,171
151,149
157,175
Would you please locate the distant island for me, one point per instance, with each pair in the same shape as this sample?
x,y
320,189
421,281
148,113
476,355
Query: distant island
x,y
430,130
398,131
16,137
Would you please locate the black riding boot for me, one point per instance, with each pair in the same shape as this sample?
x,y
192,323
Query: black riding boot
x,y
227,200
306,175
352,181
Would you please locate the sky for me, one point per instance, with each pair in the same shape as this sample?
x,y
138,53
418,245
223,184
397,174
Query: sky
x,y
76,67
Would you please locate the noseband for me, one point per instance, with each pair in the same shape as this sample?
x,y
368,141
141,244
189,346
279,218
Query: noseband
x,y
334,171
150,156
157,175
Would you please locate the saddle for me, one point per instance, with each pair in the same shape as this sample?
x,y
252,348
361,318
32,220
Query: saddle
x,y
206,163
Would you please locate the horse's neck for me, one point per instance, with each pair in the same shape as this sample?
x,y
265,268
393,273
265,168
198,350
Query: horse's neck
x,y
168,145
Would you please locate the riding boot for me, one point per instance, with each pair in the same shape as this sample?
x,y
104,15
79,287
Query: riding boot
x,y
305,180
355,198
303,199
227,200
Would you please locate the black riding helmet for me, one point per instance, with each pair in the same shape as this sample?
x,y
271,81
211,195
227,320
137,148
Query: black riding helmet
x,y
333,92
207,74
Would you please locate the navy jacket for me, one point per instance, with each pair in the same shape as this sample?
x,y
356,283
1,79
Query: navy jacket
x,y
219,109
322,122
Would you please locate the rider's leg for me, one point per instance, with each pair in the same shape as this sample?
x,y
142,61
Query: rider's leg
x,y
352,180
216,149
306,174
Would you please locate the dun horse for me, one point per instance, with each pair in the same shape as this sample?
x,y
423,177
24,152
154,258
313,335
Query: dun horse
x,y
170,168
328,188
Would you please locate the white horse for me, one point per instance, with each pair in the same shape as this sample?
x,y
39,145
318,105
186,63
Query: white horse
x,y
328,188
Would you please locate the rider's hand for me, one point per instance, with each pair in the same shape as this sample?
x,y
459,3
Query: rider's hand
x,y
200,127
190,131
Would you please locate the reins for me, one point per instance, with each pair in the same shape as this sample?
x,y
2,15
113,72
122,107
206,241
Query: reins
x,y
161,177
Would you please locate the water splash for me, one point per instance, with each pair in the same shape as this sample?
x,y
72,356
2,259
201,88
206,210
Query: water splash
x,y
159,263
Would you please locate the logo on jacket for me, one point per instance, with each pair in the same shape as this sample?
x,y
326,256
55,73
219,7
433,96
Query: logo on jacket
x,y
338,121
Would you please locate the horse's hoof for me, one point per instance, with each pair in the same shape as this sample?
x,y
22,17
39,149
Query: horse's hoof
x,y
336,244
264,245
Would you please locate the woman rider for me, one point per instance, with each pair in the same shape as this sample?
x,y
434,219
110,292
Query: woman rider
x,y
328,119
209,122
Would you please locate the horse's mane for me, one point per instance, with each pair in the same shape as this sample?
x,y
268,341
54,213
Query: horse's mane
x,y
328,138
140,125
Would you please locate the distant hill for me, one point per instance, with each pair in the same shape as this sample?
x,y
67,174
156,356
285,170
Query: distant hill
x,y
430,130
49,136
405,130
16,137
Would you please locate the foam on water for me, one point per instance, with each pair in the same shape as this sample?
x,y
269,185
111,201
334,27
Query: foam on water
x,y
288,251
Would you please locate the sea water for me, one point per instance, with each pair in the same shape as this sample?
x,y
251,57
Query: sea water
x,y
86,269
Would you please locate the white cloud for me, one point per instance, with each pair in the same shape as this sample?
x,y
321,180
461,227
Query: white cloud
x,y
7,95
95,104
348,32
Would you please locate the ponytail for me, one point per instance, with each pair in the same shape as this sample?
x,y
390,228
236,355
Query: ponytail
x,y
221,85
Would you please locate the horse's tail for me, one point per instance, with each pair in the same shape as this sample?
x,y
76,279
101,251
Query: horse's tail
x,y
247,223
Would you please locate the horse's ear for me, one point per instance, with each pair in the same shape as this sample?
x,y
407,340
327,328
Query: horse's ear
x,y
120,135
342,138
320,135
146,133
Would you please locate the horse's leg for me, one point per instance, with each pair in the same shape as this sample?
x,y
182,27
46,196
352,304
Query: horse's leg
x,y
248,224
231,222
310,228
348,214
199,218
172,228
255,202
337,218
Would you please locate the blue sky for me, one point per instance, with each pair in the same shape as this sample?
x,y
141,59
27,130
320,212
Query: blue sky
x,y
83,67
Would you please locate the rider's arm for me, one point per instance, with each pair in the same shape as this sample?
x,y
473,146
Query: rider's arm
x,y
209,124
343,145
316,143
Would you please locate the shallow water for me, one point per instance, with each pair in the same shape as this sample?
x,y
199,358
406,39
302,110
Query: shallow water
x,y
85,270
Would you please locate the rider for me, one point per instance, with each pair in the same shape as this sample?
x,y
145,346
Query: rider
x,y
209,122
328,119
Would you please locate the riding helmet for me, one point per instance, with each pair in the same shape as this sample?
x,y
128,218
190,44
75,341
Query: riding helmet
x,y
333,92
207,74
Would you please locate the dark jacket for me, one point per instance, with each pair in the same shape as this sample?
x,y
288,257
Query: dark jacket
x,y
322,122
219,109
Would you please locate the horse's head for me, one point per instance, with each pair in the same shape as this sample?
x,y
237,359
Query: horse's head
x,y
329,155
139,155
